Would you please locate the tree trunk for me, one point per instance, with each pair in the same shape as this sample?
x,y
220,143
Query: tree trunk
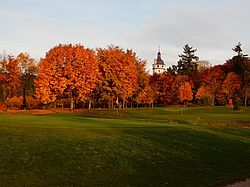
x,y
245,100
72,102
54,105
24,99
212,99
185,103
4,93
90,104
109,102
75,102
123,103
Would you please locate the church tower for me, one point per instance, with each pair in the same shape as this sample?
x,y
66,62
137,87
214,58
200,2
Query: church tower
x,y
158,65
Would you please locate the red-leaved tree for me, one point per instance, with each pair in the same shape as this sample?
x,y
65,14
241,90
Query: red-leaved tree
x,y
231,88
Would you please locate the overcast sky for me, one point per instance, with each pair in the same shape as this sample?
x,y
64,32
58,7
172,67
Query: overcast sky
x,y
214,27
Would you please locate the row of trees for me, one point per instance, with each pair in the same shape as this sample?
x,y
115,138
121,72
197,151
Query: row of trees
x,y
222,84
72,75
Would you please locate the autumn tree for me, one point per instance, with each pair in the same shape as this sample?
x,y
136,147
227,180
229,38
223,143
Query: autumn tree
x,y
28,72
146,96
179,80
67,71
185,93
245,80
166,87
9,77
231,88
156,83
212,80
204,95
168,81
119,74
143,91
187,64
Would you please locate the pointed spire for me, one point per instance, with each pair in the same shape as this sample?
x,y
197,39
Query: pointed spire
x,y
159,60
159,52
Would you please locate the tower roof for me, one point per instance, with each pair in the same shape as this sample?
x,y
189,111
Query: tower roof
x,y
159,60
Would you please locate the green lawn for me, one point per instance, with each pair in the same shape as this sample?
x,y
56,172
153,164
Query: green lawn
x,y
141,147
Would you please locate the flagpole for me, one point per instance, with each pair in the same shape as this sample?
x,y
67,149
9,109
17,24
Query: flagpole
x,y
117,105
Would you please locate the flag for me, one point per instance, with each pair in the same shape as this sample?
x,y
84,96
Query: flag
x,y
117,101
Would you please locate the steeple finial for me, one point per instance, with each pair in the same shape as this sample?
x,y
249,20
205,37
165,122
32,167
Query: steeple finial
x,y
159,52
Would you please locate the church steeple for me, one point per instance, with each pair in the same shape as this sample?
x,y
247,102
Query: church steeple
x,y
159,60
159,65
159,52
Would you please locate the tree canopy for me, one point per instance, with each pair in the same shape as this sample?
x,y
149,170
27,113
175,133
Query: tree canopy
x,y
67,71
187,64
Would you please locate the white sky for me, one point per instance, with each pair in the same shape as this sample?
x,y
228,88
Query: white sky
x,y
214,27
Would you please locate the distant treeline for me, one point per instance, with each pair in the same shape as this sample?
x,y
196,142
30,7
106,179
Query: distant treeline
x,y
72,76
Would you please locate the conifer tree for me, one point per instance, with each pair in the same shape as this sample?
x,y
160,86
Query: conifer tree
x,y
187,64
241,66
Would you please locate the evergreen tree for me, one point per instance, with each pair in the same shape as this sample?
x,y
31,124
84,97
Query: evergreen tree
x,y
241,66
186,64
238,49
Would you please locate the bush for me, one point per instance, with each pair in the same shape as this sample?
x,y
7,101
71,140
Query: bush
x,y
236,103
16,102
1,106
32,103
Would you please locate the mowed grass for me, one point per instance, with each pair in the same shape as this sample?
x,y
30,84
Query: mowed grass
x,y
140,147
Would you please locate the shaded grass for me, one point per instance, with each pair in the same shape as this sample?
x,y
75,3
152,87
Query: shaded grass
x,y
143,147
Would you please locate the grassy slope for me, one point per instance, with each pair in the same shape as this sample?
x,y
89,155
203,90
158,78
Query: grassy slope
x,y
143,147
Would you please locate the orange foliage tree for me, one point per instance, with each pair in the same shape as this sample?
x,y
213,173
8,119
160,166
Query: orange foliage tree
x,y
231,88
185,92
204,94
212,81
163,86
9,77
144,92
156,84
179,80
168,85
119,74
67,71
146,96
28,72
